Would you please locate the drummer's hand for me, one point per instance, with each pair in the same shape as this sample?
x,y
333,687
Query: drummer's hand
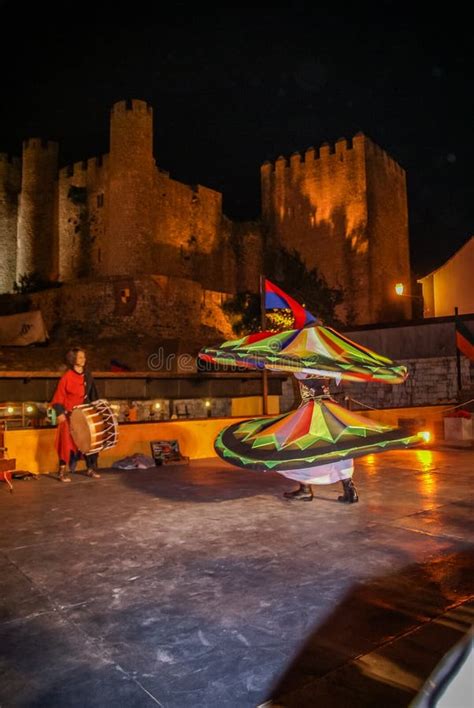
x,y
61,418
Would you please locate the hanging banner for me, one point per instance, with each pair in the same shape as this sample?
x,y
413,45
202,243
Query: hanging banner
x,y
23,329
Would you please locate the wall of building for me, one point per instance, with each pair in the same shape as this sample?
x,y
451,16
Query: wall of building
x,y
451,285
10,183
128,208
37,244
387,231
136,219
81,221
416,340
158,306
431,382
343,208
317,205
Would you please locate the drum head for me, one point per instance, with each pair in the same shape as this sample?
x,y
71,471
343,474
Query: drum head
x,y
80,431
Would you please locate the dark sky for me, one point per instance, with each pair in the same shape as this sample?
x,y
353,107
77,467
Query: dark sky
x,y
234,87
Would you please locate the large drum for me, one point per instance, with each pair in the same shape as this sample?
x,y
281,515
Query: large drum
x,y
94,427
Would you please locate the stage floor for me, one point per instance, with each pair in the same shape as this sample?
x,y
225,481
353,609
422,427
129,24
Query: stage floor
x,y
201,586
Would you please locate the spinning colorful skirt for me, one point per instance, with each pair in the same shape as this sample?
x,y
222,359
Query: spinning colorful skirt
x,y
317,442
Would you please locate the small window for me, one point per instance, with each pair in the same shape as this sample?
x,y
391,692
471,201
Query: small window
x,y
100,200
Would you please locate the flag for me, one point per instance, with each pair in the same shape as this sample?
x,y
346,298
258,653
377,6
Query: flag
x,y
464,339
116,365
277,299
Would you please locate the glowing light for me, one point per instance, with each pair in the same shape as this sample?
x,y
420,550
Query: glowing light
x,y
428,484
371,462
280,319
425,457
158,406
426,435
10,409
399,288
207,404
29,409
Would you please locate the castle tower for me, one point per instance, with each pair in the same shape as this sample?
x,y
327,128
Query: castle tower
x,y
10,181
343,208
128,200
36,242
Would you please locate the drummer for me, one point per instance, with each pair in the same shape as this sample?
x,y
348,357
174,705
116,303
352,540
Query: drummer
x,y
75,387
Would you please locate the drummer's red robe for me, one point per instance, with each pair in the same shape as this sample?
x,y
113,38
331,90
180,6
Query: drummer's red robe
x,y
70,392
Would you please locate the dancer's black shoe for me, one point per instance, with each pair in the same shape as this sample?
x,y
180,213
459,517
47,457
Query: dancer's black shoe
x,y
303,493
350,495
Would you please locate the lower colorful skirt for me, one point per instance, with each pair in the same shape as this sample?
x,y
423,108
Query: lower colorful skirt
x,y
320,433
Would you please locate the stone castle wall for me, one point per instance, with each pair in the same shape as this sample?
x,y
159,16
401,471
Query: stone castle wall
x,y
81,220
36,238
158,307
343,208
10,185
120,214
387,229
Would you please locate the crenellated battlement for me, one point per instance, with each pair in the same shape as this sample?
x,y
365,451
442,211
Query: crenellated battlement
x,y
10,159
339,151
323,152
93,165
341,205
375,152
36,144
133,104
10,167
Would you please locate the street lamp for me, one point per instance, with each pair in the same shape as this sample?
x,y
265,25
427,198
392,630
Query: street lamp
x,y
399,288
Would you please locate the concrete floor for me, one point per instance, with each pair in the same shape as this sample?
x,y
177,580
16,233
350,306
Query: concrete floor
x,y
201,586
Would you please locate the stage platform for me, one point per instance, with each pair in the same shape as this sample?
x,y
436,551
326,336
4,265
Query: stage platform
x,y
200,586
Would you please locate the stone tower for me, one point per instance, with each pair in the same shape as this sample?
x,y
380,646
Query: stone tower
x,y
344,210
36,242
129,194
10,182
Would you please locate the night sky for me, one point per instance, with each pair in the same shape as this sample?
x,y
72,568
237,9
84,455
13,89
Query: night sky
x,y
231,88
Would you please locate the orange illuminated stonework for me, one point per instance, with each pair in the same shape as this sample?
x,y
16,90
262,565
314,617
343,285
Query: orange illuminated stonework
x,y
343,208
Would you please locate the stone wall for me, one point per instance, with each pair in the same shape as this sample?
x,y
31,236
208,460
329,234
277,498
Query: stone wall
x,y
129,197
343,208
81,221
431,382
412,340
387,229
10,182
156,306
37,244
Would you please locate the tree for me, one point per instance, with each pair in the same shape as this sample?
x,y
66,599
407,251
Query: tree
x,y
287,270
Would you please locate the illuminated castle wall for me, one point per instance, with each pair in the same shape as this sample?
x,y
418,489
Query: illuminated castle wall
x,y
344,210
119,214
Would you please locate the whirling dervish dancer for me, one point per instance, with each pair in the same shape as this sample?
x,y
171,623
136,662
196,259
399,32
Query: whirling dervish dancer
x,y
317,442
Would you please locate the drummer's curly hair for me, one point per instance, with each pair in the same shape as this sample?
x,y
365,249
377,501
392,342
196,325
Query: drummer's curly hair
x,y
71,356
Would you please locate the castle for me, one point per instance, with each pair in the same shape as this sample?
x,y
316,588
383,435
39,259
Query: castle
x,y
119,215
